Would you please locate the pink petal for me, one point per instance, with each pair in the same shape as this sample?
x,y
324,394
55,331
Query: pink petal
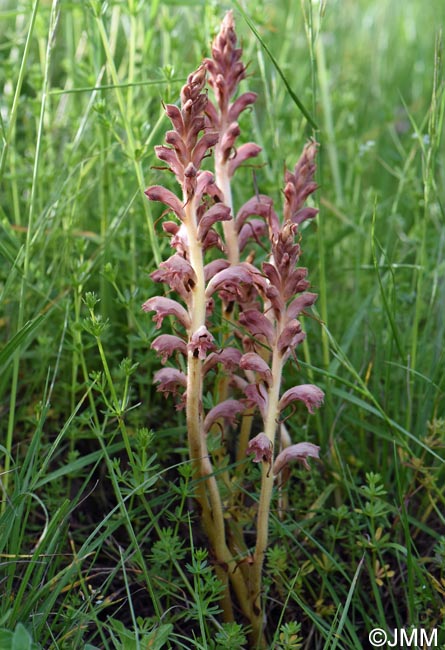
x,y
204,184
261,446
300,452
213,267
253,361
304,214
228,140
240,104
201,342
261,206
211,111
300,304
212,239
167,344
229,278
159,193
170,227
174,115
169,380
243,153
311,395
174,139
257,394
296,283
291,336
166,307
252,229
228,410
229,357
177,272
257,324
218,212
271,272
205,143
180,240
169,156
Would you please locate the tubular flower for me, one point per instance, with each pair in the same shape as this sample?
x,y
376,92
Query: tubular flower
x,y
167,344
301,452
227,410
311,395
262,447
201,342
166,307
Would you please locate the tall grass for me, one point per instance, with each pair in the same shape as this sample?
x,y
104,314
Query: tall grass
x,y
98,544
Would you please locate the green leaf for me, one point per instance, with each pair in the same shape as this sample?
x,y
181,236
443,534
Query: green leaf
x,y
21,639
5,639
20,338
156,639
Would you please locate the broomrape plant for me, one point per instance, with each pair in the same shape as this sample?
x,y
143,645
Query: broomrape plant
x,y
258,304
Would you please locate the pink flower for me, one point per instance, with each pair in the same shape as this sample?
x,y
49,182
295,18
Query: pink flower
x,y
229,357
179,237
159,193
227,410
299,185
201,342
253,361
228,140
253,229
167,344
296,283
311,395
213,267
243,153
262,447
257,395
291,336
300,303
226,69
217,212
177,273
257,324
166,307
236,282
261,206
238,106
170,380
299,452
205,185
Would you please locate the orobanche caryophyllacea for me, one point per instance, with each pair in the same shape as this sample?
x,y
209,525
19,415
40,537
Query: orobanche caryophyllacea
x,y
214,278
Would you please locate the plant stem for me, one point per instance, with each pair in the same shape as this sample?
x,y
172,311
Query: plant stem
x,y
208,495
267,478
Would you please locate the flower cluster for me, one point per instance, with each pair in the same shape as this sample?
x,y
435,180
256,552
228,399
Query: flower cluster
x,y
261,303
272,298
226,71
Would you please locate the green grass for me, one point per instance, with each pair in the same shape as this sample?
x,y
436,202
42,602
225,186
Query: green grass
x,y
98,536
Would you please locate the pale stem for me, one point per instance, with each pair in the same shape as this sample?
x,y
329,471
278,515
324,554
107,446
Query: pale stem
x,y
267,479
207,490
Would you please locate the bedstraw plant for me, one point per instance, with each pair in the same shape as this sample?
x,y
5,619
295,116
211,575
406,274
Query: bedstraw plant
x,y
236,293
